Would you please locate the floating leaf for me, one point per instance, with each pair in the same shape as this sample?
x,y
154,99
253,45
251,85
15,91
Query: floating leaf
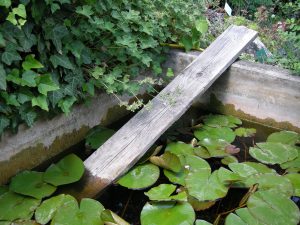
x,y
180,148
295,180
31,183
221,121
215,147
200,205
247,169
223,133
98,136
293,164
141,176
167,213
168,161
89,213
269,207
284,137
273,153
14,206
202,222
68,170
176,178
229,159
164,192
233,219
201,152
31,63
111,218
226,176
45,212
3,189
245,132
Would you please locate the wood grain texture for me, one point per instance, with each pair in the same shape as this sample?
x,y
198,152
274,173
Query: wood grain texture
x,y
131,142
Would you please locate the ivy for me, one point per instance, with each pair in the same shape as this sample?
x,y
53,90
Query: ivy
x,y
54,54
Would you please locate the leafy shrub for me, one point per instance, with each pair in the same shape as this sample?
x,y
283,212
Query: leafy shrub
x,y
56,53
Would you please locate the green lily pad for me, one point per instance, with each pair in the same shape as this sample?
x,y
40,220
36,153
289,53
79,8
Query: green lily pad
x,y
167,213
247,217
295,180
245,132
229,159
164,192
14,206
68,170
284,137
200,205
233,219
89,213
180,148
215,147
19,222
223,133
202,152
168,161
141,176
31,183
293,164
3,189
221,121
202,222
176,178
273,153
269,207
196,164
45,212
226,176
98,136
111,218
269,181
247,169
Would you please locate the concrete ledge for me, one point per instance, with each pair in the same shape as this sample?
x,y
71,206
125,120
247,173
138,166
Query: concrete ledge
x,y
251,91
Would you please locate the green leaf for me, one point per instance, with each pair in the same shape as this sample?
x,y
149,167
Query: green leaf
x,y
284,137
245,132
222,121
14,206
112,218
2,78
164,192
68,170
168,161
14,77
20,11
98,136
223,133
5,3
2,41
28,78
66,104
61,60
97,72
187,43
202,222
10,56
180,148
167,213
46,84
233,219
31,183
11,99
24,95
201,25
229,159
4,123
247,169
170,72
31,63
269,207
273,153
29,117
141,176
176,178
40,101
295,180
55,34
85,10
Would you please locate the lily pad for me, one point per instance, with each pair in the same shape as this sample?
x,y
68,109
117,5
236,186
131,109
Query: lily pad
x,y
98,136
68,170
200,205
202,222
89,213
245,132
215,147
168,161
14,206
141,176
45,212
111,218
295,180
223,133
164,192
31,183
269,207
247,169
202,152
229,159
221,121
180,148
176,178
247,217
284,137
167,213
226,176
19,222
233,219
3,189
196,164
293,164
273,153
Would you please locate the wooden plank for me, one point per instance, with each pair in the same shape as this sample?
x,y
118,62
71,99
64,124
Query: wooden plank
x,y
131,142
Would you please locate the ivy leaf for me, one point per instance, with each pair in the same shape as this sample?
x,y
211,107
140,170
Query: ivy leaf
x,y
14,77
2,78
11,99
76,47
4,122
10,56
2,41
61,60
5,3
31,63
56,34
24,95
97,72
85,10
28,78
20,11
40,101
29,117
46,84
55,96
65,104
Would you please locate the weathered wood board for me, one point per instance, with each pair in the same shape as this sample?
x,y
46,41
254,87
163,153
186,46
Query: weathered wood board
x,y
131,142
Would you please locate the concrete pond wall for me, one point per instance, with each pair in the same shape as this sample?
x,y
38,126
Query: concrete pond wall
x,y
251,91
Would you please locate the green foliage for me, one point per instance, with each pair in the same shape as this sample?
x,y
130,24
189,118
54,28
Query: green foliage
x,y
60,52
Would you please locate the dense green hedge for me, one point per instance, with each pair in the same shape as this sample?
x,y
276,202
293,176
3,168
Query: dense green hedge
x,y
54,53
